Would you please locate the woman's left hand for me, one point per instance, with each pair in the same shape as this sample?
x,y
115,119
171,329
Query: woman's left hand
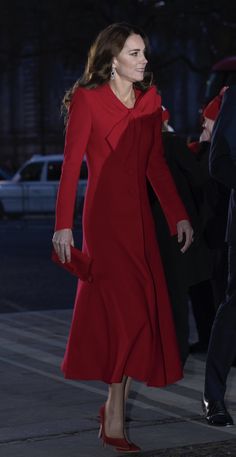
x,y
184,228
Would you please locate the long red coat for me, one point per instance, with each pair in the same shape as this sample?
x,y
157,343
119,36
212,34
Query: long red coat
x,y
122,322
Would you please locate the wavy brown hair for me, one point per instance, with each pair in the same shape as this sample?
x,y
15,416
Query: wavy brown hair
x,y
107,45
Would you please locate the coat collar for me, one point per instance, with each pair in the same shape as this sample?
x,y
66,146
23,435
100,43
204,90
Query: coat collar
x,y
147,104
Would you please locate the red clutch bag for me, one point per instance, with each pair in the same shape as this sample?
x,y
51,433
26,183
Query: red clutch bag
x,y
80,264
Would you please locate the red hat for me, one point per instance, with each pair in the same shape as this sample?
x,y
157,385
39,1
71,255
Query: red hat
x,y
165,115
212,109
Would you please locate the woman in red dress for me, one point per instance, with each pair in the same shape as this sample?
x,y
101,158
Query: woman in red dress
x,y
122,324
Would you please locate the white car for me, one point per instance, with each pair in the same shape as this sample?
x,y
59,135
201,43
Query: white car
x,y
33,189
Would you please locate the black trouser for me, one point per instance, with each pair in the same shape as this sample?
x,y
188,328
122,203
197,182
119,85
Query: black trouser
x,y
220,273
203,305
222,346
179,301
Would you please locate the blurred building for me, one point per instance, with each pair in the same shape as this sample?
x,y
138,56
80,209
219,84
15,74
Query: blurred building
x,y
44,46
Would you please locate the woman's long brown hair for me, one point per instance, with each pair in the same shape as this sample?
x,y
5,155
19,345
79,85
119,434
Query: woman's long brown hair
x,y
107,45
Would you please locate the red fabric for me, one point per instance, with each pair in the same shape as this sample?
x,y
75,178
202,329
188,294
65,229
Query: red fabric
x,y
194,146
122,321
165,115
212,109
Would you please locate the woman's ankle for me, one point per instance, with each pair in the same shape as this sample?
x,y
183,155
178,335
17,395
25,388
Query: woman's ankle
x,y
114,422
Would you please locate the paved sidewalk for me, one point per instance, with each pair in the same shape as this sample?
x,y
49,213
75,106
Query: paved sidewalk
x,y
43,415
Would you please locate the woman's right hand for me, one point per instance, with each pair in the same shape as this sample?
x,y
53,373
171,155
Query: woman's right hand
x,y
62,241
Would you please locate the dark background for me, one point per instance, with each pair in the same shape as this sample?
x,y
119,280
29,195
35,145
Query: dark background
x,y
43,48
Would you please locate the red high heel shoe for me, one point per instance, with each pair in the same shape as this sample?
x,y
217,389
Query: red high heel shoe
x,y
121,444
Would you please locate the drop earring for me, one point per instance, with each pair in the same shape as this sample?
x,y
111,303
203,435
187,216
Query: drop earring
x,y
113,73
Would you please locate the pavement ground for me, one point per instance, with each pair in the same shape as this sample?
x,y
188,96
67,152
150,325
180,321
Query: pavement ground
x,y
44,415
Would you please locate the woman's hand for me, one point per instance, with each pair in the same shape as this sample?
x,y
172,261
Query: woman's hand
x,y
62,241
184,228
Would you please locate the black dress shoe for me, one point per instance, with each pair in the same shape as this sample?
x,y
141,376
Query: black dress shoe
x,y
216,413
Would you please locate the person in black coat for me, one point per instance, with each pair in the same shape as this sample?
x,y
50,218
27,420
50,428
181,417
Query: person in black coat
x,y
222,347
213,199
182,271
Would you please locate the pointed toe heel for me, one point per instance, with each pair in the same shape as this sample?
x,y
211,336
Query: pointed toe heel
x,y
121,444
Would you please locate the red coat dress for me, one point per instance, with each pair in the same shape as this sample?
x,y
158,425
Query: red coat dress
x,y
122,321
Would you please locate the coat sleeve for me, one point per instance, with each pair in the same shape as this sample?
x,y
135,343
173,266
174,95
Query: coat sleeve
x,y
222,160
77,136
163,184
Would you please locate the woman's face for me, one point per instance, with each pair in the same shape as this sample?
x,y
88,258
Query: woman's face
x,y
131,62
